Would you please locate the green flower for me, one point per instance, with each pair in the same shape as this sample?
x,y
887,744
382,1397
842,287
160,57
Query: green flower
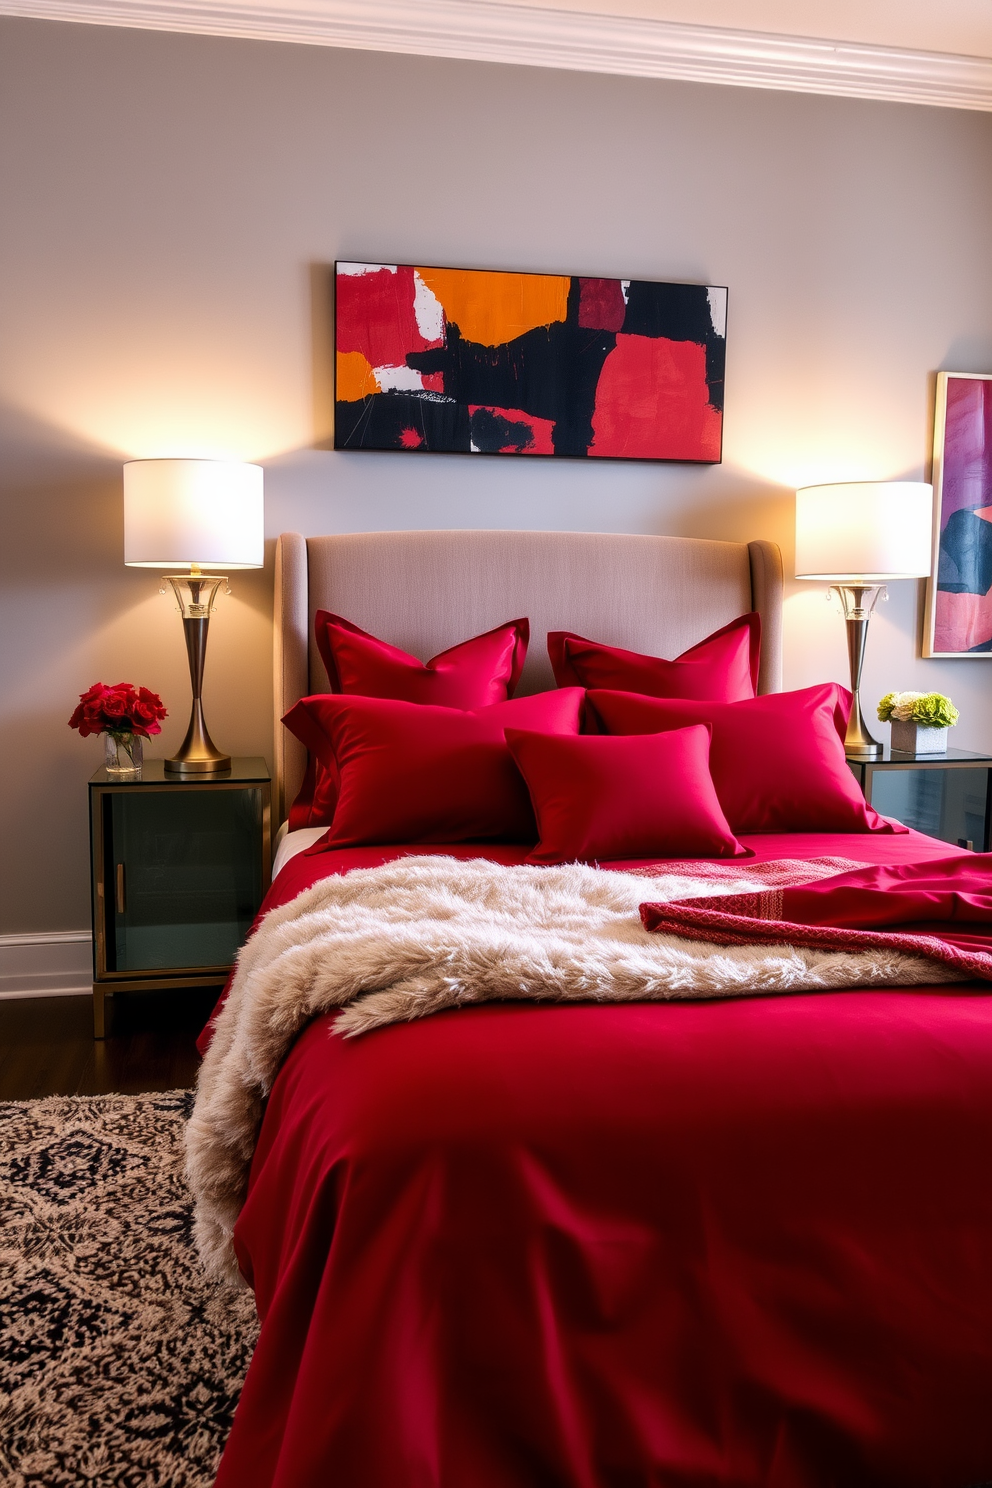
x,y
928,709
934,710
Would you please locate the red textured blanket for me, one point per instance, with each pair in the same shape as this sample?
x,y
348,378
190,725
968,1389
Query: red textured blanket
x,y
939,910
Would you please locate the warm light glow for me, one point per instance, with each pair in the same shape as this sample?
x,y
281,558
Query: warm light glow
x,y
798,443
864,531
183,512
787,460
172,389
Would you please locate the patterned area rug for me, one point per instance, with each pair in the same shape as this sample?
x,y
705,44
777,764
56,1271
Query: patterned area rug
x,y
120,1365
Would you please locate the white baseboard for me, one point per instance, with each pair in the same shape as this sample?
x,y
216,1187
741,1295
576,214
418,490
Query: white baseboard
x,y
57,963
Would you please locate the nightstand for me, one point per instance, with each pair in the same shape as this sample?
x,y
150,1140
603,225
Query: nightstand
x,y
947,796
179,868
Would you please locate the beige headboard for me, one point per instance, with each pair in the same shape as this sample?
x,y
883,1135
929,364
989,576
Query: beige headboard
x,y
425,591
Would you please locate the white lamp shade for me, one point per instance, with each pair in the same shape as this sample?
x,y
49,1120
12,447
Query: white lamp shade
x,y
180,512
864,531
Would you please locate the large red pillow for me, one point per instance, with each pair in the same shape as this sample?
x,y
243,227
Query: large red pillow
x,y
472,674
777,761
638,796
721,669
416,773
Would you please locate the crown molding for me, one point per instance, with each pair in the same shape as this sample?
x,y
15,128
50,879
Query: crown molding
x,y
497,31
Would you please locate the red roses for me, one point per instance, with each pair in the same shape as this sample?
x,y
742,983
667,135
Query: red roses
x,y
121,709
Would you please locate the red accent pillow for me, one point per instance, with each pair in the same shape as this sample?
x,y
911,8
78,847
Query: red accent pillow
x,y
777,761
472,674
635,796
416,773
721,669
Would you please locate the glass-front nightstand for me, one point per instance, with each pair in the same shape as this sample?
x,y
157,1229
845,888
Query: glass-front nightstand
x,y
945,795
179,868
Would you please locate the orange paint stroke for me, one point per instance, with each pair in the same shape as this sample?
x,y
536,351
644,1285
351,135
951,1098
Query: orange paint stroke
x,y
492,308
356,379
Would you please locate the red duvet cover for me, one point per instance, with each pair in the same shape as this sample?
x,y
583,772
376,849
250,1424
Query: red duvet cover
x,y
744,1243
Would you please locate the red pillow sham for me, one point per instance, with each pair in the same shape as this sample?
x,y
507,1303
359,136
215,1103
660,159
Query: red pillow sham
x,y
417,773
777,761
633,796
721,669
472,674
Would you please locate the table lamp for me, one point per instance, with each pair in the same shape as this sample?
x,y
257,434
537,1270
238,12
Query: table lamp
x,y
859,536
192,513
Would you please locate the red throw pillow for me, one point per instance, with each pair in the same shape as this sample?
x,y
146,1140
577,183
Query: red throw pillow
x,y
639,796
721,669
472,674
411,773
777,761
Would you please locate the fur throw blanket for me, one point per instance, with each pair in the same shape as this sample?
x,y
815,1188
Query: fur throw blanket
x,y
422,934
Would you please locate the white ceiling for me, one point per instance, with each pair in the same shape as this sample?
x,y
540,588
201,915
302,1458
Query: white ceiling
x,y
935,52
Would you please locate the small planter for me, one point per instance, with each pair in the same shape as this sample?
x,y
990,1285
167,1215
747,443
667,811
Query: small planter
x,y
123,755
914,738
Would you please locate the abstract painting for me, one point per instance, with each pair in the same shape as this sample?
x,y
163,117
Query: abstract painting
x,y
959,595
479,362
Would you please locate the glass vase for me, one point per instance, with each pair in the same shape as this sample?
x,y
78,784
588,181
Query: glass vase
x,y
123,755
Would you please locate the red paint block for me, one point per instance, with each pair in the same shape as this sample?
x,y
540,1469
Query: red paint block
x,y
652,402
601,305
541,429
375,316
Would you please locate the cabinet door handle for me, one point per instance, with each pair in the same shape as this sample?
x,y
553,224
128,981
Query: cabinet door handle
x,y
120,889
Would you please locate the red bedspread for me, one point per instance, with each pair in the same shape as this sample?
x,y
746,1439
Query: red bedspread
x,y
628,1246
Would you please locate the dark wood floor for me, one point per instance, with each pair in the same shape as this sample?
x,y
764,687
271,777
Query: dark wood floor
x,y
47,1045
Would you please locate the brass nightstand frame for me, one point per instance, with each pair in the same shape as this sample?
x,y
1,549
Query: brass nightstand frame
x,y
250,774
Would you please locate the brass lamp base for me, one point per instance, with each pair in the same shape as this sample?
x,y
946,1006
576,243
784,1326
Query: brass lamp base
x,y
220,766
858,743
859,601
197,754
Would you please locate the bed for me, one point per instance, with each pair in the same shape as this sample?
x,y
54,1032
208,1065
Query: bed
x,y
643,1245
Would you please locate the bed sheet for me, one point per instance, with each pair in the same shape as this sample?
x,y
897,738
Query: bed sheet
x,y
311,863
679,1245
287,844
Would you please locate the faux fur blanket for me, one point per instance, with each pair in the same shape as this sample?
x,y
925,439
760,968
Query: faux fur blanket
x,y
422,934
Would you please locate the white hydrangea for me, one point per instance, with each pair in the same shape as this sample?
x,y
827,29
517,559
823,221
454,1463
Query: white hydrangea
x,y
902,705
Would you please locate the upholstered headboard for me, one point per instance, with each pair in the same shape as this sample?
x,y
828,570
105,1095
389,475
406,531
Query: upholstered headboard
x,y
425,591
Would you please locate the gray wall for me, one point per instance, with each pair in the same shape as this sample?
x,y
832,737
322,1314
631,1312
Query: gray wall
x,y
170,206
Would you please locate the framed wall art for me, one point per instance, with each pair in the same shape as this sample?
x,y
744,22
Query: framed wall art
x,y
478,362
959,592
